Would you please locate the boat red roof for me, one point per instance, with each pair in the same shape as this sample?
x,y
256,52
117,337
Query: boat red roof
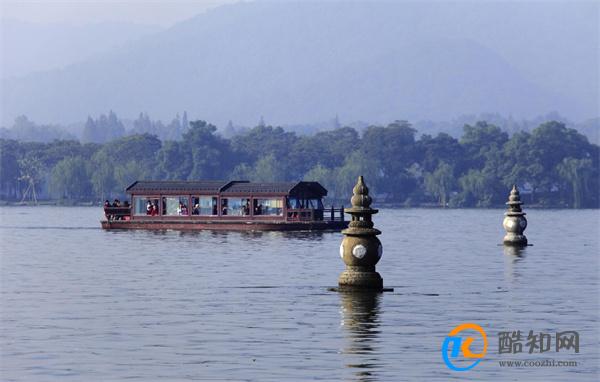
x,y
225,187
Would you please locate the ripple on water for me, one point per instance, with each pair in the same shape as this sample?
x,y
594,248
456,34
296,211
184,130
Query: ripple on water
x,y
80,303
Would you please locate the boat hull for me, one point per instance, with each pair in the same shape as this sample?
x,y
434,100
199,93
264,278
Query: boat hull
x,y
191,225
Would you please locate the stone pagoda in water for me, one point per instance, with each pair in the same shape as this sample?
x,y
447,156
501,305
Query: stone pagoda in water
x,y
514,220
360,248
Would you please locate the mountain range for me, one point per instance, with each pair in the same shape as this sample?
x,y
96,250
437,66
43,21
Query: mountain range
x,y
305,62
29,47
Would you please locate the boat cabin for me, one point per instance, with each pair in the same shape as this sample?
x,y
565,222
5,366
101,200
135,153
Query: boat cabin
x,y
219,200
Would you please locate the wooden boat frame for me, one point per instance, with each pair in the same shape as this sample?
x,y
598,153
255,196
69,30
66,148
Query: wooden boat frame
x,y
297,212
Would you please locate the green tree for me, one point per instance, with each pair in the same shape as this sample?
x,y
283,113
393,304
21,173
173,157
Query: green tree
x,y
356,164
442,148
549,144
264,140
207,154
394,150
69,179
172,161
576,172
242,171
326,148
334,145
140,147
104,129
479,140
90,131
518,160
126,174
480,188
440,182
102,178
558,164
9,168
268,169
324,176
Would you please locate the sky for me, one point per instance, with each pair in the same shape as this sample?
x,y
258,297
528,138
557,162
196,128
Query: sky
x,y
81,12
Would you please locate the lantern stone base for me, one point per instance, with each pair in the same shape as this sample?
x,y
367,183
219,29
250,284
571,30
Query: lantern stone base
x,y
360,278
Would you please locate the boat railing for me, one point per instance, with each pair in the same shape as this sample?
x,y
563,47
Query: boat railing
x,y
117,213
311,214
293,214
300,214
334,214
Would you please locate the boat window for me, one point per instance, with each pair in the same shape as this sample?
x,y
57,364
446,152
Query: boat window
x,y
294,203
268,207
315,203
175,205
238,207
144,205
204,205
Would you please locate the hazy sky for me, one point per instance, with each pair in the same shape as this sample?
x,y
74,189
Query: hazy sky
x,y
312,59
78,12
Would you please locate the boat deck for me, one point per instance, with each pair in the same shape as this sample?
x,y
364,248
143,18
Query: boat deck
x,y
230,225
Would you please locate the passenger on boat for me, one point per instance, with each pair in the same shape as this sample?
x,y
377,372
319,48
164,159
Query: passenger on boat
x,y
125,216
259,209
107,204
149,208
182,209
116,203
246,208
196,210
154,209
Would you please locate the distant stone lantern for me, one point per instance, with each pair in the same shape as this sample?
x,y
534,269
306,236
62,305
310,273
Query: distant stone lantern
x,y
360,248
514,221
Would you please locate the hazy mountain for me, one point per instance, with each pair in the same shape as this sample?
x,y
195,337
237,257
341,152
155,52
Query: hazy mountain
x,y
296,63
28,47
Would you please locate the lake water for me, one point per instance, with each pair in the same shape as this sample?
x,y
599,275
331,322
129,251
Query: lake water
x,y
82,304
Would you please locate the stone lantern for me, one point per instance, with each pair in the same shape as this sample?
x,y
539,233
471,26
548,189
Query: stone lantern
x,y
514,221
360,248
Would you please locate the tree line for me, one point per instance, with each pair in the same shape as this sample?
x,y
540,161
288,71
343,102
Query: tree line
x,y
554,166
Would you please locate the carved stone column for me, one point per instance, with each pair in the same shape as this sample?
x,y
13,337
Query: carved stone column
x,y
514,220
360,248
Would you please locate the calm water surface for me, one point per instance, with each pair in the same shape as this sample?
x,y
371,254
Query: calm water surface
x,y
82,304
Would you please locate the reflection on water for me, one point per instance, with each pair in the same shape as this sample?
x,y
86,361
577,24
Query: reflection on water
x,y
303,235
219,234
513,255
360,321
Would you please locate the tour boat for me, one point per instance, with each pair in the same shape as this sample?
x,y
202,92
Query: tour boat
x,y
222,205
